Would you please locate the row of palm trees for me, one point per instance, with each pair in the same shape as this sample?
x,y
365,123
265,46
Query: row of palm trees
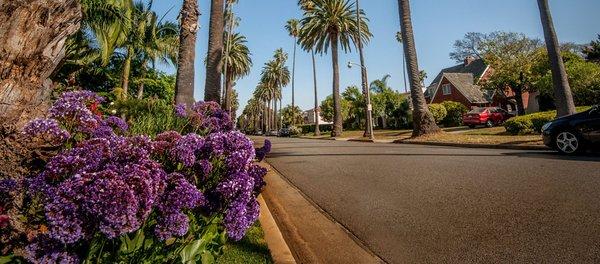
x,y
328,25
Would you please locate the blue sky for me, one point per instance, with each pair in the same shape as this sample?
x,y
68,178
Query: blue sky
x,y
437,24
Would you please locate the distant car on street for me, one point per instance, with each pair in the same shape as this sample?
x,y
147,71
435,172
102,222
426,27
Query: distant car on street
x,y
574,133
284,132
486,116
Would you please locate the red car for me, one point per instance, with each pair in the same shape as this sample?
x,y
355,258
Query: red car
x,y
487,116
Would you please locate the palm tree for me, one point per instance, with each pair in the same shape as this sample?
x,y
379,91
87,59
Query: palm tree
x,y
184,88
231,22
316,110
331,24
238,63
275,76
399,39
263,94
293,28
422,119
562,89
212,87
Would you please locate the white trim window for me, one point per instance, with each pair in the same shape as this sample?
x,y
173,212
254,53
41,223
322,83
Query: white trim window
x,y
446,89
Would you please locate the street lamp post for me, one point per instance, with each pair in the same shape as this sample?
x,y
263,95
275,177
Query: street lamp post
x,y
365,85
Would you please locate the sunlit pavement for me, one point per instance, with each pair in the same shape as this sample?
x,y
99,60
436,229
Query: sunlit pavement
x,y
412,203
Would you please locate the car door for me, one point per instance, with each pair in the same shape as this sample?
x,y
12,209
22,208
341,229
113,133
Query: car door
x,y
496,115
590,128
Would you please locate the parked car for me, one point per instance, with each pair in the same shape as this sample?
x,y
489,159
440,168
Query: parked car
x,y
284,132
574,133
487,116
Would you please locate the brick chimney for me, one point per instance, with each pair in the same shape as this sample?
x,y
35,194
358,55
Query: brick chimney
x,y
468,60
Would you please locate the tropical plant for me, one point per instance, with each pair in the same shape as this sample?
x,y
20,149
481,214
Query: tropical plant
x,y
293,28
237,64
562,90
274,76
331,24
212,87
184,91
291,116
423,121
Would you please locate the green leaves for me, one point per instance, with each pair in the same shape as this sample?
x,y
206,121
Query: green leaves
x,y
129,246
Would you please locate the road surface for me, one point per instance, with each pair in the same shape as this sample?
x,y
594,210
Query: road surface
x,y
425,204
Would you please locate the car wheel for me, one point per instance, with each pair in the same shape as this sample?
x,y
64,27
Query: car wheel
x,y
568,143
489,123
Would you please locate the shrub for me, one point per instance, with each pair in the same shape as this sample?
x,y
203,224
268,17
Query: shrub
x,y
438,111
455,111
532,123
307,129
295,131
110,198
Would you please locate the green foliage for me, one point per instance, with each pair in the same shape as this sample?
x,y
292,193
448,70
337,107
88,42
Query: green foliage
x,y
327,109
147,116
252,249
592,52
532,123
292,116
455,111
309,129
438,111
157,85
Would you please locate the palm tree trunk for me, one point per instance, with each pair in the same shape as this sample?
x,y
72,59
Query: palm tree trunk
x,y
228,92
140,92
404,71
212,88
316,110
275,123
423,120
337,106
293,81
126,72
30,53
281,114
184,87
562,90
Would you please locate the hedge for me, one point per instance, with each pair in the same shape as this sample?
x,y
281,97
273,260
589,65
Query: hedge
x,y
438,111
532,123
455,111
306,129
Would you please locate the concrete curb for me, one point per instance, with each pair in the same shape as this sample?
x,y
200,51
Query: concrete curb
x,y
470,145
280,251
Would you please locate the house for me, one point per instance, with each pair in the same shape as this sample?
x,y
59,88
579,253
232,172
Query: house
x,y
309,118
462,83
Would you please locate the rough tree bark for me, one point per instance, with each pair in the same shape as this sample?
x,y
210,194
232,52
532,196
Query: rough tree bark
x,y
32,44
562,90
337,101
316,110
212,88
423,120
184,91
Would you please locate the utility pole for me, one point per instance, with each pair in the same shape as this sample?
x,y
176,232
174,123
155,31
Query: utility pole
x,y
365,83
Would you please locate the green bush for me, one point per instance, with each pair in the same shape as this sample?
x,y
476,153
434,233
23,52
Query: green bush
x,y
307,129
147,116
532,123
455,111
438,111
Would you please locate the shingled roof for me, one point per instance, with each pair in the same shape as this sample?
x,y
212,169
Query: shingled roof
x,y
464,83
476,68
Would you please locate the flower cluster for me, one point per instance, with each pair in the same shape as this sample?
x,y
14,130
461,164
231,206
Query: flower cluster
x,y
44,250
47,130
78,110
207,117
262,152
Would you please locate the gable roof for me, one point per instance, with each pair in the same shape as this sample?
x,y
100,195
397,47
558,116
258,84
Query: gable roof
x,y
463,82
477,68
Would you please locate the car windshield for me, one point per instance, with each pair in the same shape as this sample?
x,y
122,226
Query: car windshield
x,y
477,110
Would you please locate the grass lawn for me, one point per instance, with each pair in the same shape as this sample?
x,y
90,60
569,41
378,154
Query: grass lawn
x,y
251,249
460,135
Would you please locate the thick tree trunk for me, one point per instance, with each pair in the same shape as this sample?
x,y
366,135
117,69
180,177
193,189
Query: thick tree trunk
x,y
126,72
519,100
562,90
294,78
316,110
212,88
187,52
423,120
32,43
337,105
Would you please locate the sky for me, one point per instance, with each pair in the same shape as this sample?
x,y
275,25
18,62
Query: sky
x,y
437,25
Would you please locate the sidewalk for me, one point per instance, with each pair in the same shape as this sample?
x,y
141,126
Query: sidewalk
x,y
312,236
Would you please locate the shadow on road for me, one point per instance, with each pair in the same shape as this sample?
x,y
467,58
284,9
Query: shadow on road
x,y
556,156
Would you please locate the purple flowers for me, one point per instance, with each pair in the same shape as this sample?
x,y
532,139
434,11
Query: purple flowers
x,y
78,110
181,110
207,117
262,152
47,130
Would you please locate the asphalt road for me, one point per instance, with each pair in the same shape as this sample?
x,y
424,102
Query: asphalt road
x,y
422,204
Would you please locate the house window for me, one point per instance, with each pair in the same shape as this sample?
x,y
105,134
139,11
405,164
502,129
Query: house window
x,y
446,89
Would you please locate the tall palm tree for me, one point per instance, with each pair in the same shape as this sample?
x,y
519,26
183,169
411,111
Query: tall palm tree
x,y
184,88
316,109
423,120
263,94
399,39
238,63
231,22
276,75
562,89
332,24
212,87
293,28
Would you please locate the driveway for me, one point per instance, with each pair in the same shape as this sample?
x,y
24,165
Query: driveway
x,y
425,204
